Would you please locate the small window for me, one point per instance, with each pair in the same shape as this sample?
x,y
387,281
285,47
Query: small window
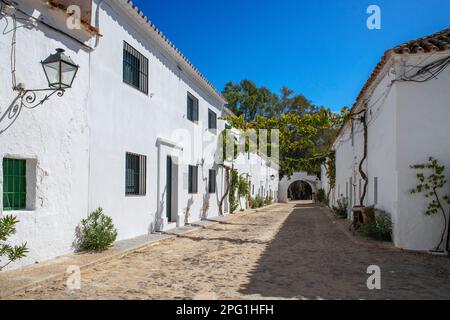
x,y
346,190
14,184
212,181
360,188
193,179
192,108
135,68
135,174
375,190
212,120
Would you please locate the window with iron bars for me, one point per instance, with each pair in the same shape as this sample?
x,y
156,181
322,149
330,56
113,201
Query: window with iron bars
x,y
135,68
193,179
135,174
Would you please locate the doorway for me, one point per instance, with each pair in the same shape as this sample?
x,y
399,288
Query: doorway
x,y
300,190
171,186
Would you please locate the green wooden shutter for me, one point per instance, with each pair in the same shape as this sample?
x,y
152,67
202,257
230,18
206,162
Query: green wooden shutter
x,y
14,184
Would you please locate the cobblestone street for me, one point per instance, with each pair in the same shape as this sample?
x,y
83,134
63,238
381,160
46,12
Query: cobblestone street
x,y
287,251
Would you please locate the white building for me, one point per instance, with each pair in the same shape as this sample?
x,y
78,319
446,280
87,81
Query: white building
x,y
406,103
138,115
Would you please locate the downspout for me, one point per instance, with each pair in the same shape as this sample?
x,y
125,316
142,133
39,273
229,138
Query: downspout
x,y
97,22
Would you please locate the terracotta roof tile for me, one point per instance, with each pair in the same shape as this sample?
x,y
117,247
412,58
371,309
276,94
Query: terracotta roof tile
x,y
439,41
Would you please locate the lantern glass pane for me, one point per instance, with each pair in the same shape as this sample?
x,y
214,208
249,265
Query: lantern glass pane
x,y
68,72
52,72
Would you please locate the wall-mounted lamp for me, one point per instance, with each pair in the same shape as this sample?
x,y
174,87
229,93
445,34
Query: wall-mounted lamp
x,y
60,72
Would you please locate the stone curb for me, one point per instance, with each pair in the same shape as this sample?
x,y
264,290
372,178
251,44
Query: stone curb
x,y
126,252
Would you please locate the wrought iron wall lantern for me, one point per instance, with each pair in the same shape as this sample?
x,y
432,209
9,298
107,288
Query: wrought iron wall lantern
x,y
60,72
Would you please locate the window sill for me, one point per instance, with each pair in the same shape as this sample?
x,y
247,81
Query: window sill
x,y
136,89
18,211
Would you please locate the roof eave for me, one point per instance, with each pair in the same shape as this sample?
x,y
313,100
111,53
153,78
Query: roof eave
x,y
171,50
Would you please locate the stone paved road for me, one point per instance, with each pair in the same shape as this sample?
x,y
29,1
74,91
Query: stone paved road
x,y
288,251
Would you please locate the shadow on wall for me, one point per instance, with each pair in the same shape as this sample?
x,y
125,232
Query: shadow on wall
x,y
188,210
157,223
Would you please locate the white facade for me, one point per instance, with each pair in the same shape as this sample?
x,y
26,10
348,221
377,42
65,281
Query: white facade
x,y
75,145
261,175
407,122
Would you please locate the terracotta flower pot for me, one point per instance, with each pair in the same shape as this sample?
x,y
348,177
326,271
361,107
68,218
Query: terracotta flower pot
x,y
368,213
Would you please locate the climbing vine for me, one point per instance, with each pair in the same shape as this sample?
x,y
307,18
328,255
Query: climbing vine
x,y
431,179
234,201
331,169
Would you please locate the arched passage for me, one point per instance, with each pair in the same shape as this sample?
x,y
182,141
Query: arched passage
x,y
300,190
312,181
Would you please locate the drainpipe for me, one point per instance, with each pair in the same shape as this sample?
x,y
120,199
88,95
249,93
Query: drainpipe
x,y
97,22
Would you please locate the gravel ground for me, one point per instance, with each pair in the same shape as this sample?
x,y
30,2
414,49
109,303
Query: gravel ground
x,y
288,251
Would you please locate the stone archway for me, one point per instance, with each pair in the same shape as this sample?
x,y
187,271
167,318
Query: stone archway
x,y
300,190
285,183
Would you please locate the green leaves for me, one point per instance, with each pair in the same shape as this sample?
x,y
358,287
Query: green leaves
x,y
12,253
96,232
298,136
431,179
233,198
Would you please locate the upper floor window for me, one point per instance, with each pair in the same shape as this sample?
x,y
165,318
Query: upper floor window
x,y
193,179
14,184
192,108
135,68
212,181
212,120
135,174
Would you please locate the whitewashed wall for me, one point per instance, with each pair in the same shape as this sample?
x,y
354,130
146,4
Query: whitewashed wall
x,y
263,177
76,145
124,119
407,123
423,130
54,138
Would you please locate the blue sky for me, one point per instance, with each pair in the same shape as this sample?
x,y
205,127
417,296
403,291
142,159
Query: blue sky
x,y
319,48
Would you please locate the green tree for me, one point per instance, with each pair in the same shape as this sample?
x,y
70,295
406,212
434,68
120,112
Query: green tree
x,y
306,131
11,253
298,134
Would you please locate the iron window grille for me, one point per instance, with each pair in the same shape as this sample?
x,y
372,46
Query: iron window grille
x,y
135,174
14,184
212,181
135,68
212,120
192,108
193,179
